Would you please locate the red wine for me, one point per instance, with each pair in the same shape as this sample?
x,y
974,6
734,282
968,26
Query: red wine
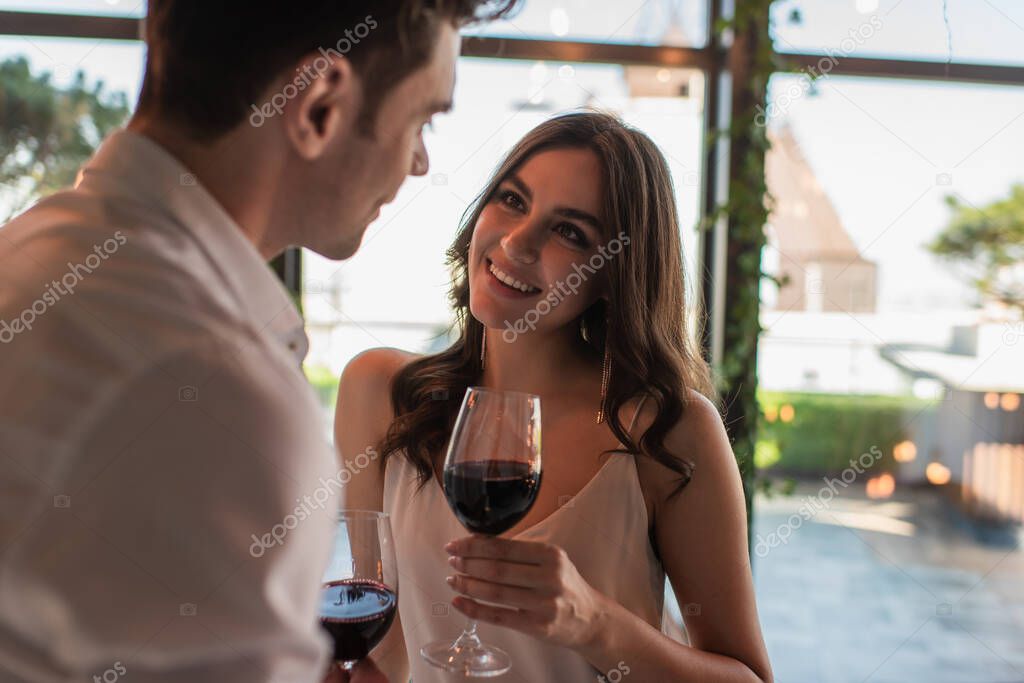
x,y
357,613
491,496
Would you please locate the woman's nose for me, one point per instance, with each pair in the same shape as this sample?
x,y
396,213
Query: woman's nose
x,y
517,246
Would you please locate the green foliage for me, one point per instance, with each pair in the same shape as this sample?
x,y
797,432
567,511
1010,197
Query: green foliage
x,y
746,213
47,133
324,382
828,430
990,242
766,454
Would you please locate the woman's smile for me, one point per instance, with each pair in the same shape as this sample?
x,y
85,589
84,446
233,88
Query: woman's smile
x,y
504,283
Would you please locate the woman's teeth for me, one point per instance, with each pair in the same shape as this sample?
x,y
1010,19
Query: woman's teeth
x,y
511,281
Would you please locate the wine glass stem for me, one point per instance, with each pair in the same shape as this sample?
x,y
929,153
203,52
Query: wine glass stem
x,y
469,639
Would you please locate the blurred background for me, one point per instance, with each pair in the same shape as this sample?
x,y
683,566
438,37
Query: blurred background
x,y
866,319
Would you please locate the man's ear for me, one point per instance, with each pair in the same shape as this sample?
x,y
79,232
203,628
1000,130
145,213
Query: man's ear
x,y
326,104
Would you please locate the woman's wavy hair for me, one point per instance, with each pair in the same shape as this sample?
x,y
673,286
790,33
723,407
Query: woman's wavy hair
x,y
643,324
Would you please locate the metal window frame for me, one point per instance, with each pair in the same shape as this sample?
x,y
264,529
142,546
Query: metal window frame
x,y
54,25
712,59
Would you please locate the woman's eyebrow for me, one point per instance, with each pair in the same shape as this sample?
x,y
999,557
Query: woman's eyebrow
x,y
521,186
578,215
565,211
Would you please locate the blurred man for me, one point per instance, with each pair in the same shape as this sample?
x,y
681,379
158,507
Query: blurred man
x,y
161,454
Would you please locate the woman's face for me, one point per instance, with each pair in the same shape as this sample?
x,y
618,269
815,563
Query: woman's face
x,y
536,244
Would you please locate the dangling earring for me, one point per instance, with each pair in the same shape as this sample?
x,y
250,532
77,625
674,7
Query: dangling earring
x,y
606,372
483,348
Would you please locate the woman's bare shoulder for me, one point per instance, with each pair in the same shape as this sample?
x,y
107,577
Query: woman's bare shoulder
x,y
699,438
377,364
365,387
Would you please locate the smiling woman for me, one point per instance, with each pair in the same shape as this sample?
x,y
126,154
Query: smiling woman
x,y
620,184
573,247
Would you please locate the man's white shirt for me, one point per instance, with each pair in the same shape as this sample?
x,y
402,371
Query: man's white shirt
x,y
159,443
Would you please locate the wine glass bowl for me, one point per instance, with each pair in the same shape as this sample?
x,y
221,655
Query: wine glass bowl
x,y
359,596
492,474
491,496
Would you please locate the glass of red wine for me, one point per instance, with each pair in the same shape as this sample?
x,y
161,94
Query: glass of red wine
x,y
359,596
491,477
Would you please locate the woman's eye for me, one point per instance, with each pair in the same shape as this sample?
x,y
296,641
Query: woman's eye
x,y
510,198
572,233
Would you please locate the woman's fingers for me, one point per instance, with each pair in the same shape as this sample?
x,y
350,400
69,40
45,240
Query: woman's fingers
x,y
501,616
495,548
501,571
513,596
524,578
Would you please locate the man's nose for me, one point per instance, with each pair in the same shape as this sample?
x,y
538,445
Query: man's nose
x,y
420,159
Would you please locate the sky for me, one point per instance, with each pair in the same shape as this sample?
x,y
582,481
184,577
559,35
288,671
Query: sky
x,y
878,147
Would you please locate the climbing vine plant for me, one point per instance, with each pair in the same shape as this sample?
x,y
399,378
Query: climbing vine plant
x,y
751,62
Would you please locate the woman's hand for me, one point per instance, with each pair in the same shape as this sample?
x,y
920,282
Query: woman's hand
x,y
539,587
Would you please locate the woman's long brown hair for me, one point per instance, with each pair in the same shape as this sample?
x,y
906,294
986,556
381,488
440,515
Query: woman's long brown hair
x,y
643,324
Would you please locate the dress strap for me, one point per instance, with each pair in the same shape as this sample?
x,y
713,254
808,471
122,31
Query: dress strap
x,y
636,413
651,538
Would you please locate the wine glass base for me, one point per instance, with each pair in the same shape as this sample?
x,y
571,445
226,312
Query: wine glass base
x,y
474,661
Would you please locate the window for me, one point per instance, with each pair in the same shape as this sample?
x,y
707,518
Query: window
x,y
983,31
119,65
115,67
890,386
113,8
638,22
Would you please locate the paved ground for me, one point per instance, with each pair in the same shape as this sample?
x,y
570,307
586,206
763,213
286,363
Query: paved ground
x,y
898,591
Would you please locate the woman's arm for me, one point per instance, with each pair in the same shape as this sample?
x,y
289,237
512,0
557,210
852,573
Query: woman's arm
x,y
360,422
702,539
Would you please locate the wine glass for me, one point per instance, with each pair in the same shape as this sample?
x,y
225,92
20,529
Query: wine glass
x,y
491,477
359,596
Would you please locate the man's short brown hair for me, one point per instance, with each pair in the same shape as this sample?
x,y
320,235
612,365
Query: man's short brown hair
x,y
208,64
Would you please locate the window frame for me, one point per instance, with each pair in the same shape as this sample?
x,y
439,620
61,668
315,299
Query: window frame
x,y
714,59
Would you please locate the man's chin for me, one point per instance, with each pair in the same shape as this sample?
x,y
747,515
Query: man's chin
x,y
345,243
345,251
339,251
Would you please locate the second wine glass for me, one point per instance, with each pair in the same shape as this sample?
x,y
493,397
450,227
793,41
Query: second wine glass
x,y
492,474
359,596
